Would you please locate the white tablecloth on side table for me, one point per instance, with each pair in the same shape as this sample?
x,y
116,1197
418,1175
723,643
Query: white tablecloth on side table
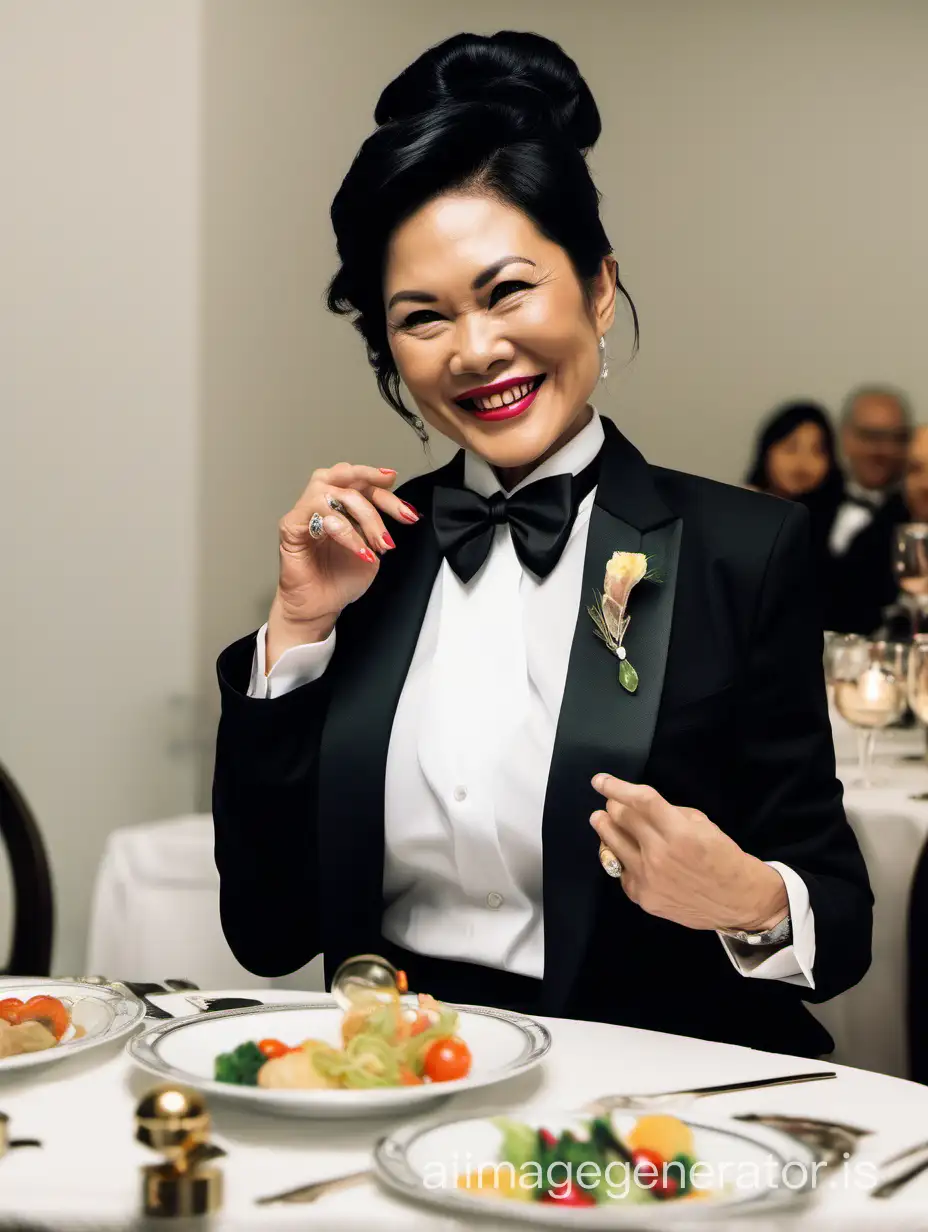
x,y
155,913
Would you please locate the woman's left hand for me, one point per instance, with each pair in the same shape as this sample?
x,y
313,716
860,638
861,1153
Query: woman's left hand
x,y
679,865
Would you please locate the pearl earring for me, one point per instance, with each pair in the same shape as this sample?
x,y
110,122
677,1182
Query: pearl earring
x,y
604,371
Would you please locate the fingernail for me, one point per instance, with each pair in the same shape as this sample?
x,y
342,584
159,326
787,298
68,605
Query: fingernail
x,y
388,539
413,512
368,555
387,470
598,780
593,817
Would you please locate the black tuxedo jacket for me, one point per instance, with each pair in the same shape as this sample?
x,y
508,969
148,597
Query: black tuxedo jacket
x,y
730,717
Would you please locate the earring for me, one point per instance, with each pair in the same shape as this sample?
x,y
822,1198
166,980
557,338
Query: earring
x,y
604,371
421,430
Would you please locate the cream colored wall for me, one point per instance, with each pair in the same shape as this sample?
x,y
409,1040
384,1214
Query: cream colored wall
x,y
98,370
765,189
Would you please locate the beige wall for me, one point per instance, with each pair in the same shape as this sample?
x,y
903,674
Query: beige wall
x,y
98,359
765,188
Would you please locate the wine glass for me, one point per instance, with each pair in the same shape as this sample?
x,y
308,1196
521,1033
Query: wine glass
x,y
910,565
837,648
918,678
870,693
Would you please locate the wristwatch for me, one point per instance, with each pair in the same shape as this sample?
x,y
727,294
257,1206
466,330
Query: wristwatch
x,y
780,934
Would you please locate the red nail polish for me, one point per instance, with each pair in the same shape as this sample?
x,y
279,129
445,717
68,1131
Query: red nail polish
x,y
412,510
368,555
386,470
388,539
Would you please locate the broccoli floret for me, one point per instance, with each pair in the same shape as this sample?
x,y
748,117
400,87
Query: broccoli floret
x,y
240,1066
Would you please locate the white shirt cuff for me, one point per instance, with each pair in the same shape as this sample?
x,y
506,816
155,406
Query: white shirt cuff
x,y
792,963
297,666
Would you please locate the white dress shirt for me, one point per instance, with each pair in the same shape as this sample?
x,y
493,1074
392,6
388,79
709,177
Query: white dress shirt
x,y
854,515
471,746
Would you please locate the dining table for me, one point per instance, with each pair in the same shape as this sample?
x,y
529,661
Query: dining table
x,y
87,1171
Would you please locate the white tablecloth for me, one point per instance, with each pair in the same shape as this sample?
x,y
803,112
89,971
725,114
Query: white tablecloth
x,y
156,912
86,1176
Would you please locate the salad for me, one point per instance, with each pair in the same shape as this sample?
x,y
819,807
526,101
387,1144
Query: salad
x,y
33,1025
384,1044
652,1160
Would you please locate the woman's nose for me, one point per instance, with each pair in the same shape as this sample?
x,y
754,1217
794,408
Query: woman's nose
x,y
477,346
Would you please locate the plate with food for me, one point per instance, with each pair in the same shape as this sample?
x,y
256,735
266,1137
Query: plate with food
x,y
320,1060
46,1020
575,1171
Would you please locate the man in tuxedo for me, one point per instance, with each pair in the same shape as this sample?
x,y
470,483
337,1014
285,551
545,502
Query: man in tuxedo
x,y
876,426
864,594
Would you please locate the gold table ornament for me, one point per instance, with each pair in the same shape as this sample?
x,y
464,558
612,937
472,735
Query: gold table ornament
x,y
176,1122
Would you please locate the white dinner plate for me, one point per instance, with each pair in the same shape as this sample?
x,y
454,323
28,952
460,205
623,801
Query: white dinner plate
x,y
761,1169
105,1015
502,1045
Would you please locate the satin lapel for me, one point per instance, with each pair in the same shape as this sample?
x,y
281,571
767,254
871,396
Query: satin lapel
x,y
377,639
601,727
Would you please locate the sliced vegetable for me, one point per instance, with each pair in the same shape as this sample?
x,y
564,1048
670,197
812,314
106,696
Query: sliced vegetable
x,y
271,1048
566,1193
49,1011
9,1010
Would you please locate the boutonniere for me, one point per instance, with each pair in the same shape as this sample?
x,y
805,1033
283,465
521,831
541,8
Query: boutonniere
x,y
610,615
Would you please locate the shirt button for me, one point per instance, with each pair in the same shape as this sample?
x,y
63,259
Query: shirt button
x,y
494,900
460,793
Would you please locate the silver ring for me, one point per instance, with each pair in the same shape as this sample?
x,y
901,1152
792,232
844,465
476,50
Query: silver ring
x,y
335,504
316,528
611,865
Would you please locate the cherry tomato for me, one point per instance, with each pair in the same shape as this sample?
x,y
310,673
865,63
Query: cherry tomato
x,y
9,1010
272,1048
566,1193
648,1166
548,1139
447,1059
49,1011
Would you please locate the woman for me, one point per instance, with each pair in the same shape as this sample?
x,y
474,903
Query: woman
x,y
796,458
423,750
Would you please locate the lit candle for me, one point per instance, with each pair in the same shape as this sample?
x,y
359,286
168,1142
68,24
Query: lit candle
x,y
876,691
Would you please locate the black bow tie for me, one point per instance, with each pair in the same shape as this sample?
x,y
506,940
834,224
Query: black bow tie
x,y
539,515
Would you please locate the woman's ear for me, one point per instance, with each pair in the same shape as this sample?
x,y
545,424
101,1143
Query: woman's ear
x,y
604,295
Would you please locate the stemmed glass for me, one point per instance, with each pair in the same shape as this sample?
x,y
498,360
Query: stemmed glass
x,y
870,693
837,646
910,565
918,678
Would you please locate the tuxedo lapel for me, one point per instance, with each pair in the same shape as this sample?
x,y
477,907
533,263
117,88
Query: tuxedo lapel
x,y
601,727
367,682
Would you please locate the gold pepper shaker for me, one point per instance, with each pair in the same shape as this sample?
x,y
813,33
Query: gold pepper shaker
x,y
176,1122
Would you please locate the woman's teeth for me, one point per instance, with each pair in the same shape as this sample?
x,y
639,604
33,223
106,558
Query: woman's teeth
x,y
508,396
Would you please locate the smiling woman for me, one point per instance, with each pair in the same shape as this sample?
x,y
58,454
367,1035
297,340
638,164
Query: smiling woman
x,y
429,725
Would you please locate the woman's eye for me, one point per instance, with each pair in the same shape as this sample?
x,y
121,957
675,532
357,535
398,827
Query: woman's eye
x,y
425,316
502,289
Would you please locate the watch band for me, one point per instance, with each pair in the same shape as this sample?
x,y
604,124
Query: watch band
x,y
780,934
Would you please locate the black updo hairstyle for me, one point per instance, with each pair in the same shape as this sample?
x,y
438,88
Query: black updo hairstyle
x,y
508,115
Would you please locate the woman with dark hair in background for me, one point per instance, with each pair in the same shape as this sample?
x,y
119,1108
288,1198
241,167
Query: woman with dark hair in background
x,y
796,458
428,751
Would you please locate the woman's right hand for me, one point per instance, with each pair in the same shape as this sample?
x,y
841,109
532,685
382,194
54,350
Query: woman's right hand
x,y
319,577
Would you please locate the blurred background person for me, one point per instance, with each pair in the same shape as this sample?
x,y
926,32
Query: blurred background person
x,y
864,595
795,458
876,424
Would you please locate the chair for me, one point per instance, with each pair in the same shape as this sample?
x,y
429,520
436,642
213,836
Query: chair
x,y
33,901
917,994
